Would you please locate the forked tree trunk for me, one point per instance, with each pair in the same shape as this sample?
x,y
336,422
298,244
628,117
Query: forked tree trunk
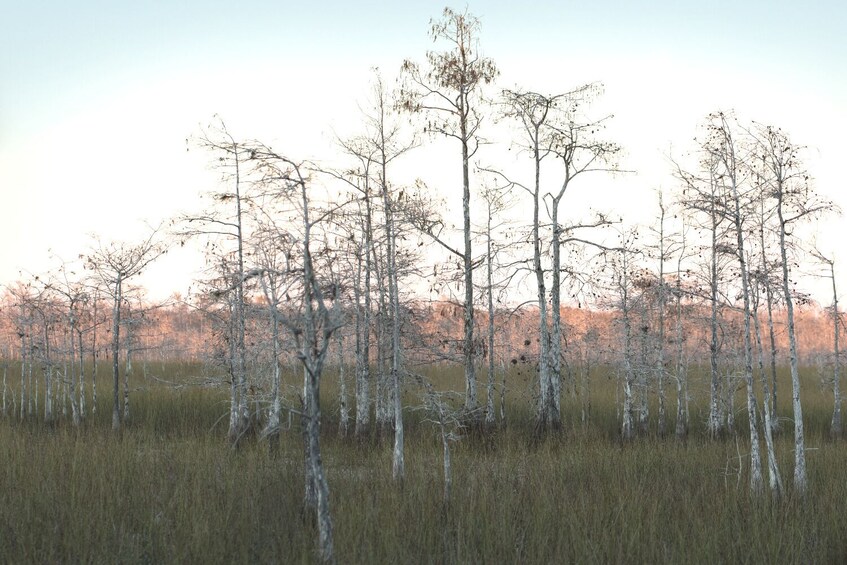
x,y
774,478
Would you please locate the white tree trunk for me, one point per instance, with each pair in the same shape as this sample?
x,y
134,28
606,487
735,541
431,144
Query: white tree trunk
x,y
835,427
755,456
81,376
116,336
800,479
715,425
344,416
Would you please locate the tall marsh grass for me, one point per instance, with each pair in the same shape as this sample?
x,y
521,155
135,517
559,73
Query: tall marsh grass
x,y
170,489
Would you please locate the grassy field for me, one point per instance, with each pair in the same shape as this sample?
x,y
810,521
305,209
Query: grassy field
x,y
169,489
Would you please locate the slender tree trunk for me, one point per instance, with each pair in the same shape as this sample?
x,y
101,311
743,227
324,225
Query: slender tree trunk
x,y
772,336
312,357
835,427
489,405
628,428
774,478
128,339
5,389
544,332
48,379
681,430
800,479
643,371
755,456
81,375
272,431
116,336
503,395
363,369
384,388
555,370
363,410
660,361
310,496
715,417
470,369
94,358
75,412
126,392
23,370
64,386
399,460
344,416
445,445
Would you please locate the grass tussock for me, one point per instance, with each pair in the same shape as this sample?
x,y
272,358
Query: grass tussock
x,y
169,489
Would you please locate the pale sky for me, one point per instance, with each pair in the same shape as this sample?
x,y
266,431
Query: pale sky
x,y
97,98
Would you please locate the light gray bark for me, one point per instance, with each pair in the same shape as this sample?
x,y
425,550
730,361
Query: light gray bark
x,y
800,479
716,420
489,405
94,355
622,276
344,411
681,429
81,375
116,336
835,426
660,350
774,478
727,153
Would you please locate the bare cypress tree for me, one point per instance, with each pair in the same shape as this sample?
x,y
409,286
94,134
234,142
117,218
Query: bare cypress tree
x,y
701,194
497,200
221,221
835,428
555,126
723,146
575,143
449,92
272,251
788,182
21,294
661,299
114,264
74,295
315,320
681,429
759,281
620,264
375,151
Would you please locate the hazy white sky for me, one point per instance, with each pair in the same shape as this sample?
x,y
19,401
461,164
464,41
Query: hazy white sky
x,y
98,97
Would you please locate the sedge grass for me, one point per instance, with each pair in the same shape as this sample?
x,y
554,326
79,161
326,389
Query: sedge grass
x,y
169,489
